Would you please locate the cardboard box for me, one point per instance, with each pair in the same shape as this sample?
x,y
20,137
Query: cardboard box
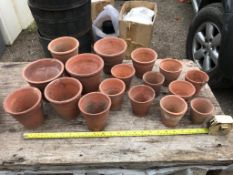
x,y
136,34
97,6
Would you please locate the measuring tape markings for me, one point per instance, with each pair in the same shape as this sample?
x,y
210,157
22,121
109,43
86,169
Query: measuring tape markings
x,y
128,133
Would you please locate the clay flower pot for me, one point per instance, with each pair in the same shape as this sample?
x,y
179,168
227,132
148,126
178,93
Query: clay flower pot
x,y
182,88
197,78
63,94
112,50
143,60
141,98
63,48
173,109
171,69
25,105
115,89
154,80
41,72
95,108
125,72
201,110
87,69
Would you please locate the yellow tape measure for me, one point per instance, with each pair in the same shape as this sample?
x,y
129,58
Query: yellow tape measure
x,y
128,133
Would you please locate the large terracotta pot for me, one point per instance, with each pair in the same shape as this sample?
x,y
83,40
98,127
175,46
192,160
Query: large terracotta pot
x,y
173,109
182,88
63,48
125,72
198,78
25,105
112,50
95,108
141,98
87,69
143,60
154,80
41,72
64,94
201,110
171,69
115,89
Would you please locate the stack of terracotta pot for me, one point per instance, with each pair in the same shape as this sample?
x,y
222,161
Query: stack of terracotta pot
x,y
73,83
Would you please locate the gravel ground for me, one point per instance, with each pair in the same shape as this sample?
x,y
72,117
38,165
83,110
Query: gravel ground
x,y
169,38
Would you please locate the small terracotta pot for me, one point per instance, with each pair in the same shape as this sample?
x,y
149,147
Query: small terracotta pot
x,y
63,94
173,109
125,72
86,68
197,78
112,50
95,108
154,80
143,60
141,98
25,105
41,72
171,69
63,48
201,110
115,89
182,88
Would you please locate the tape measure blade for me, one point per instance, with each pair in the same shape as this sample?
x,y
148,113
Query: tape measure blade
x,y
105,134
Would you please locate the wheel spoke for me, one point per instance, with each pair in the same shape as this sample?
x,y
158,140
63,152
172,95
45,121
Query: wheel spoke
x,y
206,62
209,31
200,38
199,54
214,56
216,40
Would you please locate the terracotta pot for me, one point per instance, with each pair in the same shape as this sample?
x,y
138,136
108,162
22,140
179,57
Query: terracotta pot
x,y
112,50
95,108
143,60
63,48
63,94
201,110
41,72
182,88
141,98
171,69
25,105
115,89
125,72
173,109
86,68
154,80
197,78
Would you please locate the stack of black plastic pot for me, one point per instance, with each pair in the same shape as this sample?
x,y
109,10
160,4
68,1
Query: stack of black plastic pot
x,y
55,18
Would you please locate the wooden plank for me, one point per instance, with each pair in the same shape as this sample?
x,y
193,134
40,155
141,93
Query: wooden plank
x,y
135,152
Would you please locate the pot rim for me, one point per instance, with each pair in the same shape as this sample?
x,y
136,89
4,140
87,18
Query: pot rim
x,y
147,49
182,81
152,72
123,64
61,38
84,75
205,99
90,114
174,113
97,51
63,101
45,81
39,94
112,79
197,82
133,87
171,59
